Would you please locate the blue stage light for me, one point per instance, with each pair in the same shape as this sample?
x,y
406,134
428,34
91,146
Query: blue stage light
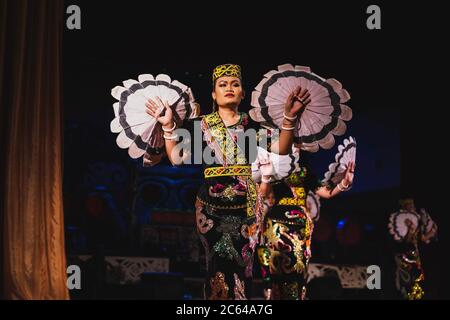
x,y
341,223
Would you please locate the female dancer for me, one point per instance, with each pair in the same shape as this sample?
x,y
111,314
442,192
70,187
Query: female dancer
x,y
228,205
288,227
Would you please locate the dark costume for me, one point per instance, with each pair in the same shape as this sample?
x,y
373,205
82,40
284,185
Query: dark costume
x,y
287,234
227,211
408,228
409,274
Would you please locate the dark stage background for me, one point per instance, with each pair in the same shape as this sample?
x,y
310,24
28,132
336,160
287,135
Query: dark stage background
x,y
114,207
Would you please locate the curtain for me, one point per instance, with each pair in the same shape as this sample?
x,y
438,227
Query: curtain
x,y
34,262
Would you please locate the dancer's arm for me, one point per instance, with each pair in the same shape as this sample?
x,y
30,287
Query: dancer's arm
x,y
296,101
344,185
162,112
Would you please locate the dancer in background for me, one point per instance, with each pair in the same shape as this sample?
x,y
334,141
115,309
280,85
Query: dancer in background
x,y
288,228
408,228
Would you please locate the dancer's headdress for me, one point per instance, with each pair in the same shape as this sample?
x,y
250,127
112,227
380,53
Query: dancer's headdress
x,y
230,70
404,203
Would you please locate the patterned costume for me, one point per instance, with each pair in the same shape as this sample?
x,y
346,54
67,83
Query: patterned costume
x,y
408,228
287,236
228,208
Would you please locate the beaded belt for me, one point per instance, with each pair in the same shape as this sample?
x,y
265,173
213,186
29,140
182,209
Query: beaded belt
x,y
228,171
292,202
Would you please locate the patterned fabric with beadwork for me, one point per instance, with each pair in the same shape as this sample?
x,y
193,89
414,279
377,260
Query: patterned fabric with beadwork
x,y
229,239
228,185
409,275
287,237
228,208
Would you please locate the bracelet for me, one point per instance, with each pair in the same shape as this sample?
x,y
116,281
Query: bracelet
x,y
173,137
173,128
266,180
344,186
284,128
289,118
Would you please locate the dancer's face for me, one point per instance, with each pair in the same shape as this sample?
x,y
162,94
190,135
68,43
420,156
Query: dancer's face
x,y
270,199
228,91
